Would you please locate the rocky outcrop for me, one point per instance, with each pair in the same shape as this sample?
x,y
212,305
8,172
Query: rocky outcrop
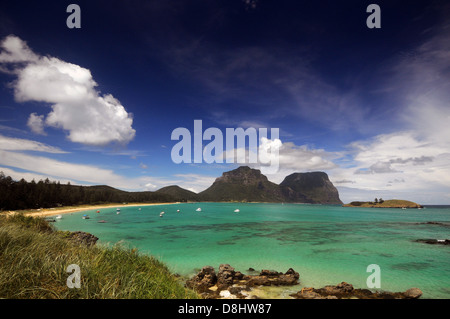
x,y
313,187
204,280
225,277
234,284
82,237
347,291
434,241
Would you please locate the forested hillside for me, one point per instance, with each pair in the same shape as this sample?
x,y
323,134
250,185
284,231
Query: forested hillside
x,y
45,193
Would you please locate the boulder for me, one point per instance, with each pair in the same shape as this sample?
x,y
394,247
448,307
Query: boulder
x,y
413,293
293,273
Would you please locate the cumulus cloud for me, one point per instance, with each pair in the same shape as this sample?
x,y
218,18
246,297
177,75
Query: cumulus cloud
x,y
88,116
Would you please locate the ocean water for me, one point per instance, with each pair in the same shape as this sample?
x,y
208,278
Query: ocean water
x,y
325,244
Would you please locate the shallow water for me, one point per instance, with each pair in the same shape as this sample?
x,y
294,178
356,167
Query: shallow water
x,y
325,244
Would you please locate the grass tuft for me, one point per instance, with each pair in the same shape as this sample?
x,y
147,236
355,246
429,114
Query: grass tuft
x,y
34,258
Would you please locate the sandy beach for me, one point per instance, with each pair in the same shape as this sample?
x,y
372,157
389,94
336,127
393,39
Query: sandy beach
x,y
44,212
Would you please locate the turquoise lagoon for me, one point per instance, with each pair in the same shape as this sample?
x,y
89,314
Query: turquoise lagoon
x,y
325,244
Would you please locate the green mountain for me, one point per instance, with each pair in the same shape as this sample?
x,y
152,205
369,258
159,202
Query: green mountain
x,y
249,185
180,194
242,184
314,187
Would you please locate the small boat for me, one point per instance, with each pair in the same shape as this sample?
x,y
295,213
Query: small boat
x,y
98,211
118,211
178,210
59,217
236,210
161,214
85,217
102,221
198,209
139,209
403,207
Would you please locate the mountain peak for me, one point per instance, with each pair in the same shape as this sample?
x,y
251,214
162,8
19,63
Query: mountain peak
x,y
314,187
242,175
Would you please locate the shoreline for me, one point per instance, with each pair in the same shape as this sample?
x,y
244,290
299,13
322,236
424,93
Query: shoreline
x,y
45,212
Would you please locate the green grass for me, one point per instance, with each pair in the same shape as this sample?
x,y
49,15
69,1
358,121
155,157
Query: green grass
x,y
34,258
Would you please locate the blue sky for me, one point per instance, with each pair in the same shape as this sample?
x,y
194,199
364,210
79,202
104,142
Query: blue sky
x,y
97,105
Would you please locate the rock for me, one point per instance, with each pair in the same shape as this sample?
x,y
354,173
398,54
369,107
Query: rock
x,y
413,293
205,279
293,273
258,281
234,282
225,294
225,276
238,275
82,237
275,278
345,287
434,241
269,273
346,291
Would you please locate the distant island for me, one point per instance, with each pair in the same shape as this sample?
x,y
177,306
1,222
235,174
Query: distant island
x,y
391,203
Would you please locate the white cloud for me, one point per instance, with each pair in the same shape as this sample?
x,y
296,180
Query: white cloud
x,y
16,51
194,182
18,144
77,107
401,164
29,176
60,169
15,163
36,123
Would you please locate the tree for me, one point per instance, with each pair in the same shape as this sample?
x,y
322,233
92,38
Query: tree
x,y
381,201
376,200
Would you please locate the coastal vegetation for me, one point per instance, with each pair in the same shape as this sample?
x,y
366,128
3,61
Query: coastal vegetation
x,y
34,258
17,195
